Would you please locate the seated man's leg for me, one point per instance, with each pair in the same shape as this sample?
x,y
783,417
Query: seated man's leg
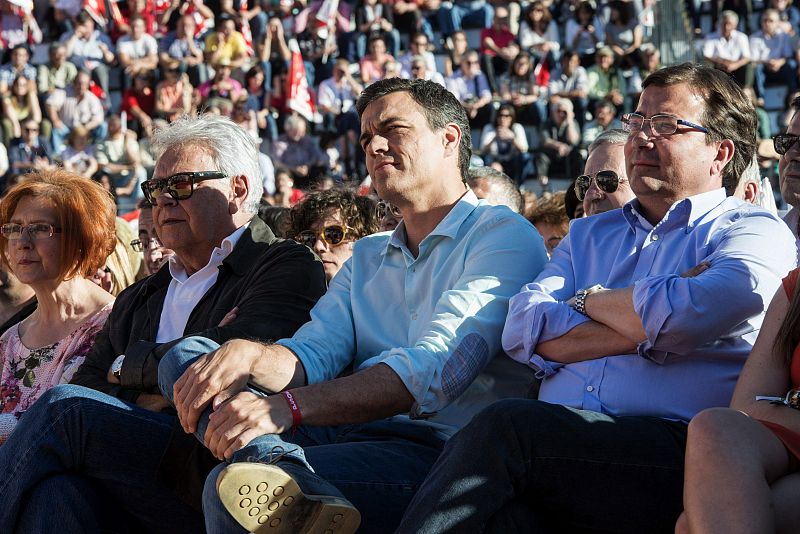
x,y
115,445
582,468
62,503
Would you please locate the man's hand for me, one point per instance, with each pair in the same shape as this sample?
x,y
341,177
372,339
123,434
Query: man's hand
x,y
216,376
242,418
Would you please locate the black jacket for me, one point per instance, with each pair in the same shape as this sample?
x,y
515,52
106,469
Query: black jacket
x,y
274,282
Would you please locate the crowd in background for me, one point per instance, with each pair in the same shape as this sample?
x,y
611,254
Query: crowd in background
x,y
84,84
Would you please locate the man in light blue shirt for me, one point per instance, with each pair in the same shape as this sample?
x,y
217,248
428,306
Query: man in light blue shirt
x,y
399,354
643,317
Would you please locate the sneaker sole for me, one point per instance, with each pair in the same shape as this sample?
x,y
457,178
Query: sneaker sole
x,y
266,500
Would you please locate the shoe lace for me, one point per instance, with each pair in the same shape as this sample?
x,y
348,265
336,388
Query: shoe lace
x,y
273,456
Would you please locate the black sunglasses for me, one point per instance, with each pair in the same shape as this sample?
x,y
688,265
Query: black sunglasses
x,y
331,235
179,186
607,181
784,142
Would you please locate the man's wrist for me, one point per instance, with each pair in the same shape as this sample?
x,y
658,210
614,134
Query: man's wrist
x,y
582,294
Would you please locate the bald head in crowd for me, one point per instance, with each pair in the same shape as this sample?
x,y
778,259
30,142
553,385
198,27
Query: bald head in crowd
x,y
606,153
495,187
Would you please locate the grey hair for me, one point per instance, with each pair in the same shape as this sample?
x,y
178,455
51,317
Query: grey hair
x,y
508,193
728,14
292,121
233,150
751,174
613,136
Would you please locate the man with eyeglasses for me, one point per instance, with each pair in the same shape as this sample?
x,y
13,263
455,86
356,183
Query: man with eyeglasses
x,y
418,46
118,445
789,170
604,184
471,87
642,318
28,153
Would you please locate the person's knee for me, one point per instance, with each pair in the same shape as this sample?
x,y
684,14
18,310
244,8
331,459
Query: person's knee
x,y
175,361
63,392
711,429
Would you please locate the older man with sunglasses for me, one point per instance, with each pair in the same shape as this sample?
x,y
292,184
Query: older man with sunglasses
x,y
85,450
789,168
604,185
643,317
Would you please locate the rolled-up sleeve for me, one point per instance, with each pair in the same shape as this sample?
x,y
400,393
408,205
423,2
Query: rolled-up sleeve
x,y
747,263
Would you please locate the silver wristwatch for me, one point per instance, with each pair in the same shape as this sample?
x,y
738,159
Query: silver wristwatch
x,y
580,297
116,366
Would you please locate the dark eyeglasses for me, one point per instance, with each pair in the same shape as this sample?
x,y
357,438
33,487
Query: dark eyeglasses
x,y
140,245
607,181
384,208
13,231
31,129
783,143
659,124
331,235
179,186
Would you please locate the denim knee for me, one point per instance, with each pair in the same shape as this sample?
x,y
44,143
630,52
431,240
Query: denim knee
x,y
178,358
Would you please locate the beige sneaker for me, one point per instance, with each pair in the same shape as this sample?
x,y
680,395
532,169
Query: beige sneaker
x,y
266,499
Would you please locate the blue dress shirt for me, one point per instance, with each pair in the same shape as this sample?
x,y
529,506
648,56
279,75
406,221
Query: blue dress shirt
x,y
699,330
436,319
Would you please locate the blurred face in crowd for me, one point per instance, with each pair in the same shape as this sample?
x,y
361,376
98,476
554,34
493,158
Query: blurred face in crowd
x,y
769,23
606,157
419,44
604,116
459,41
570,63
296,130
522,65
137,29
470,65
418,70
552,234
155,254
185,27
284,182
228,27
789,167
35,262
332,256
30,131
605,61
340,70
19,57
82,83
500,18
58,56
377,47
726,26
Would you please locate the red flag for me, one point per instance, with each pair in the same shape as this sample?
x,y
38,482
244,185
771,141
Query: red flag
x,y
298,95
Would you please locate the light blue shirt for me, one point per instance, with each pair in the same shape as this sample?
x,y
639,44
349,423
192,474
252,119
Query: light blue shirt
x,y
436,319
699,330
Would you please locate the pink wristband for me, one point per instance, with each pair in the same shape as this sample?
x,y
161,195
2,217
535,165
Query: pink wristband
x,y
295,409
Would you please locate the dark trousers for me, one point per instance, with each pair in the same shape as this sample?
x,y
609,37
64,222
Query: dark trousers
x,y
530,466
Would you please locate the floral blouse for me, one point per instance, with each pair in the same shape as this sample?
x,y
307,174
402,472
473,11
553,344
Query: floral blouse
x,y
26,374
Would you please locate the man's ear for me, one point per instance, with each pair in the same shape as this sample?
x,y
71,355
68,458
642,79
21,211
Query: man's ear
x,y
240,186
451,138
724,156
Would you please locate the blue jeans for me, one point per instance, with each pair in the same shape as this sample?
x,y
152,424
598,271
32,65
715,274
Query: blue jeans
x,y
377,466
786,75
530,466
466,15
107,443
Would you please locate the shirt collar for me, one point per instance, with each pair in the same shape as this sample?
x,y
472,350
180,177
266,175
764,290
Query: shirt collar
x,y
177,270
684,212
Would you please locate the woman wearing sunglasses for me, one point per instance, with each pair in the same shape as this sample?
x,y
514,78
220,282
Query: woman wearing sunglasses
x,y
329,222
56,230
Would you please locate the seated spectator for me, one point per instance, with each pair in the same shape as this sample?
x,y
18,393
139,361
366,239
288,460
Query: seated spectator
x,y
471,88
127,11
286,194
561,137
584,32
420,71
373,17
728,49
744,458
519,88
538,33
651,62
148,243
123,266
137,52
28,153
549,216
570,81
604,184
504,142
318,52
299,152
118,157
182,51
18,299
90,50
220,92
225,46
78,156
57,73
462,14
456,47
329,223
75,106
495,187
498,46
57,229
624,34
16,68
772,54
419,46
605,114
372,64
392,69
605,80
139,104
788,14
389,216
642,319
173,95
245,118
21,103
18,24
336,101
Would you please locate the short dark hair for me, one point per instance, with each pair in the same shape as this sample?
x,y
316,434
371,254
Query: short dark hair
x,y
728,113
356,211
507,188
550,210
439,106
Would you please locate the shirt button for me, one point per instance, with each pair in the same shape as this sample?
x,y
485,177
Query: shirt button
x,y
655,237
590,389
413,316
